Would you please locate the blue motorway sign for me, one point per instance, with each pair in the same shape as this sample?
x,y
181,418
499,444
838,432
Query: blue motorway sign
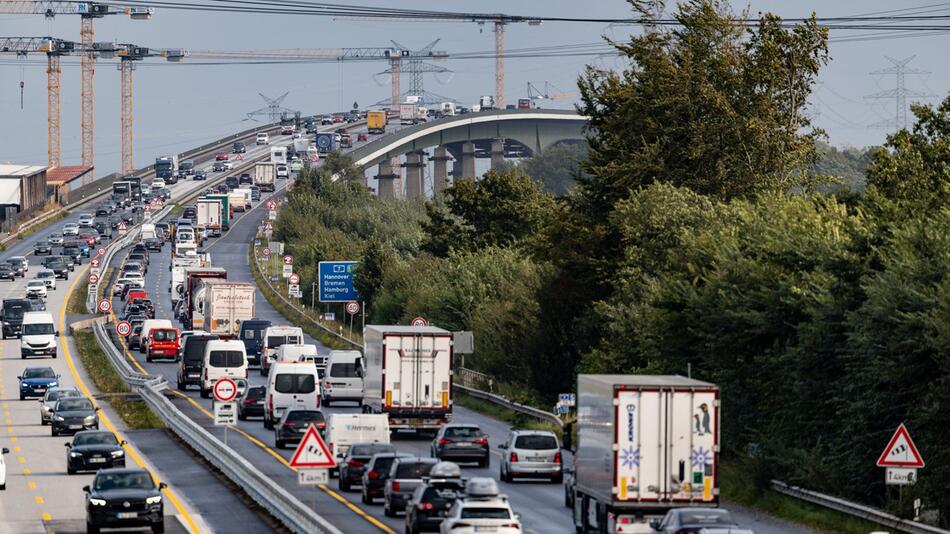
x,y
336,281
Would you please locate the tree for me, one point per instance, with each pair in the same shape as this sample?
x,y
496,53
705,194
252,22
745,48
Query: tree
x,y
368,278
557,166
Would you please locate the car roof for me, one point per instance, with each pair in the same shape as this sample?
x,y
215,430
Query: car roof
x,y
530,432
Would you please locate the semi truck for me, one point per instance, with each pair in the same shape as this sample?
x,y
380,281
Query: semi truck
x,y
408,375
646,444
166,167
122,193
278,154
209,216
486,102
264,176
178,266
227,213
221,306
193,277
376,122
408,113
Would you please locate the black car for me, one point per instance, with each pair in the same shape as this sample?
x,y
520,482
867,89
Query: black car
x,y
192,360
238,148
219,166
60,269
461,443
245,178
42,247
135,338
251,403
154,243
200,175
376,474
36,303
104,229
354,464
431,502
232,182
119,498
73,414
92,450
7,272
11,316
73,252
19,265
114,221
294,423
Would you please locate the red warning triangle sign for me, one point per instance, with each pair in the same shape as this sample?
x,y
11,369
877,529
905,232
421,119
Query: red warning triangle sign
x,y
312,451
900,451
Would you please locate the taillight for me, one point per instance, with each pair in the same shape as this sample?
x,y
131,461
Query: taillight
x,y
373,475
355,463
249,400
322,424
443,441
511,525
481,441
513,457
557,457
425,506
289,424
396,485
270,404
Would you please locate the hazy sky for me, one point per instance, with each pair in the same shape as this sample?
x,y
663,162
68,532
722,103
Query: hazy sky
x,y
177,106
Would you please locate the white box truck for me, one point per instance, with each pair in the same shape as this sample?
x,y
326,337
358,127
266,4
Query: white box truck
x,y
221,306
645,444
408,113
237,200
209,216
264,177
278,154
407,375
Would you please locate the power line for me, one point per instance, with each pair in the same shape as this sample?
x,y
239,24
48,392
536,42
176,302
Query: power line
x,y
899,93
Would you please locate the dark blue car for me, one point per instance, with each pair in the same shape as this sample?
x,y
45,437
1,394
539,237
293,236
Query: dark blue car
x,y
36,380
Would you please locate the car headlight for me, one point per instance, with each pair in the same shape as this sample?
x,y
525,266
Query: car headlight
x,y
118,454
58,419
53,384
75,454
46,409
89,419
97,502
154,500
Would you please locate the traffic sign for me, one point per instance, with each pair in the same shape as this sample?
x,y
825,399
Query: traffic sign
x,y
96,271
294,279
93,279
336,281
122,228
123,328
566,399
225,390
272,215
419,321
225,413
288,271
900,451
288,260
101,251
105,306
312,451
312,477
94,263
266,252
900,476
352,307
294,291
271,204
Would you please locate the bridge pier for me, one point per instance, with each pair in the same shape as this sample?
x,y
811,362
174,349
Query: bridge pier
x,y
440,177
497,153
385,181
468,161
414,164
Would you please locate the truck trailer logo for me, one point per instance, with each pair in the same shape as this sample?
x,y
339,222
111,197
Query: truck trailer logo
x,y
631,409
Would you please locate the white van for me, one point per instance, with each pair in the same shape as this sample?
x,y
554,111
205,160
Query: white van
x,y
38,335
299,352
290,386
262,139
346,429
148,231
274,337
343,378
222,359
147,327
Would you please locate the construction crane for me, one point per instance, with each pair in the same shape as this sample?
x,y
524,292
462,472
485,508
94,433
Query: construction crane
x,y
87,11
548,94
54,49
498,22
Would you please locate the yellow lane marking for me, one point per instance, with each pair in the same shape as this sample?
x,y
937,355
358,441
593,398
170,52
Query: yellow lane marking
x,y
4,405
13,439
38,499
16,449
47,517
31,484
21,459
26,471
8,421
10,429
6,414
102,416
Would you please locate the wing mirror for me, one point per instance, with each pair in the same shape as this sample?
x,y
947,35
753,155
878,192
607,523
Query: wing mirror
x,y
68,445
162,485
655,524
86,489
4,451
502,446
123,442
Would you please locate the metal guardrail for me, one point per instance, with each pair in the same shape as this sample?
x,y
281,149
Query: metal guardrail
x,y
279,502
856,510
511,405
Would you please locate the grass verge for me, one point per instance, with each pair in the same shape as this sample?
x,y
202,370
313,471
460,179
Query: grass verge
x,y
490,409
77,300
136,414
37,227
736,480
290,313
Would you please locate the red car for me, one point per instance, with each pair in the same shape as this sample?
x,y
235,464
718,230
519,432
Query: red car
x,y
361,137
338,119
90,239
162,343
222,156
287,130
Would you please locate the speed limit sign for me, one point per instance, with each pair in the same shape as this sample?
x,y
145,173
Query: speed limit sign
x,y
105,306
352,307
123,328
294,279
93,278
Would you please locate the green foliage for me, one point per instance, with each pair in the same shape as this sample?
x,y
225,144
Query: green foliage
x,y
845,165
557,167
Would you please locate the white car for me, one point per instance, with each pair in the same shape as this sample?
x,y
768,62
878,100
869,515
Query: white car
x,y
48,277
70,229
263,139
86,220
483,510
158,183
297,135
130,280
36,287
3,469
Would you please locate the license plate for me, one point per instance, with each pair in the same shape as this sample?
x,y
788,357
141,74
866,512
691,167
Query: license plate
x,y
39,389
463,444
535,459
97,460
126,515
75,427
485,529
416,421
193,375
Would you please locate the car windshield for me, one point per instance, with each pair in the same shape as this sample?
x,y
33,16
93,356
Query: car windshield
x,y
73,405
57,394
343,370
305,416
536,443
37,329
95,438
195,347
413,469
370,449
706,517
39,372
164,335
35,283
115,481
295,383
45,274
440,495
485,513
226,358
463,432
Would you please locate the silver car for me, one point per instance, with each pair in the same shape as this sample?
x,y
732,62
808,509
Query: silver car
x,y
51,398
405,476
706,520
531,454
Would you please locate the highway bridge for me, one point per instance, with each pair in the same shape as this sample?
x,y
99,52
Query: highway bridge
x,y
41,497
